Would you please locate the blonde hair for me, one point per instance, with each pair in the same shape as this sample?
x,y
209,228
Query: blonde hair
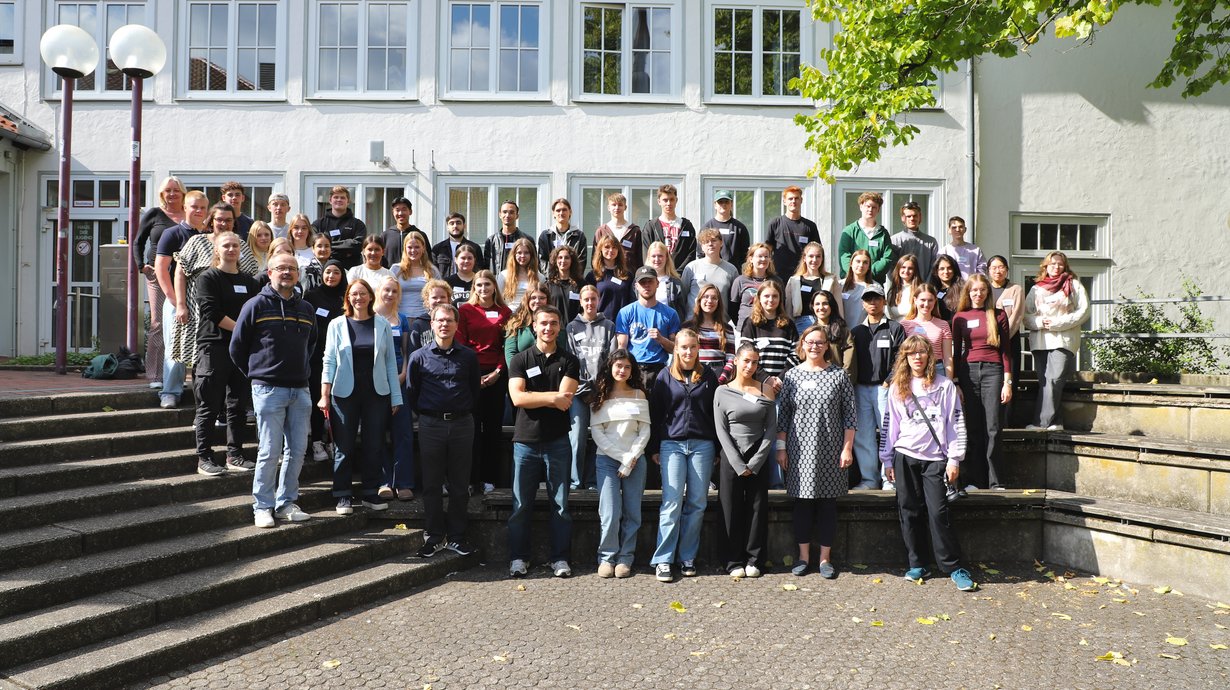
x,y
902,374
396,296
621,259
670,263
260,226
967,303
217,239
1067,267
801,269
280,244
770,271
758,316
496,297
524,316
435,284
918,290
162,190
675,369
424,261
510,268
290,230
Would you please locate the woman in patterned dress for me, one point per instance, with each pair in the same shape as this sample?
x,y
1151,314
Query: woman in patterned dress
x,y
815,445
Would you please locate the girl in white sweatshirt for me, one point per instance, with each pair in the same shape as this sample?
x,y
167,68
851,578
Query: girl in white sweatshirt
x,y
619,426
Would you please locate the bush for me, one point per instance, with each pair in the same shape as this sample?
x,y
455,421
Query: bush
x,y
75,359
1163,356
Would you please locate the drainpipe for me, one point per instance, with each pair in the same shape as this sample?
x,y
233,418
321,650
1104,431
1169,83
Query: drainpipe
x,y
970,149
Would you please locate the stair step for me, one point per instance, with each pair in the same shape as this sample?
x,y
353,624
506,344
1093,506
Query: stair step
x,y
1127,512
94,422
73,403
25,638
175,644
53,583
40,451
32,479
73,538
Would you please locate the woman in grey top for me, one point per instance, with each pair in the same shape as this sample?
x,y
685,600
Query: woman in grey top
x,y
815,444
745,416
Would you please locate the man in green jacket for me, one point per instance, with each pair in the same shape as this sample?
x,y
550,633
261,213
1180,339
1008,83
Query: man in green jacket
x,y
867,233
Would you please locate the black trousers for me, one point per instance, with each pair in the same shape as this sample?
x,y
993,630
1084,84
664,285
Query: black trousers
x,y
745,516
981,384
923,509
318,417
219,386
445,455
488,432
816,516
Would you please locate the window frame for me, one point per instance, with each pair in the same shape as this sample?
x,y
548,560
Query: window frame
x,y
578,183
807,47
51,82
199,180
530,226
757,226
1103,237
179,54
935,225
358,183
674,95
446,90
312,69
19,30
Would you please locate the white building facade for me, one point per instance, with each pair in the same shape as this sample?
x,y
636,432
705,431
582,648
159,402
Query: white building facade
x,y
460,104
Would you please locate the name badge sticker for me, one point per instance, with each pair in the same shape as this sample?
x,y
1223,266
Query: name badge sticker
x,y
574,297
578,336
508,245
617,281
685,233
973,323
883,344
725,231
809,385
493,314
750,397
322,312
1008,303
627,244
873,243
241,289
805,288
762,343
396,331
533,372
335,233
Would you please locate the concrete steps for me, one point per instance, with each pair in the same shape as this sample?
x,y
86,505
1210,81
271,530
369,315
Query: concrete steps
x,y
118,561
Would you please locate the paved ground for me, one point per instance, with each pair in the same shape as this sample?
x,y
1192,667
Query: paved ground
x,y
32,383
479,629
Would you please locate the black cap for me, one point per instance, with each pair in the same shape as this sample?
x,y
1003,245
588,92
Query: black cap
x,y
646,272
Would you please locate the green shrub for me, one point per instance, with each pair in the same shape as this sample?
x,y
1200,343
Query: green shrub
x,y
75,359
1163,356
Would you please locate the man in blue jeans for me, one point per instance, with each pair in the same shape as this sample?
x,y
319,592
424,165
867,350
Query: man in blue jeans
x,y
271,344
541,382
876,343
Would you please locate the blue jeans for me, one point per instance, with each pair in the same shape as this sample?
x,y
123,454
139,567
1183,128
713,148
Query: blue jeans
x,y
619,509
530,463
399,467
802,323
578,436
871,400
686,467
281,421
172,372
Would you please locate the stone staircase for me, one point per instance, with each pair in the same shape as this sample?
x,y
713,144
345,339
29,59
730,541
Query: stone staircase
x,y
119,562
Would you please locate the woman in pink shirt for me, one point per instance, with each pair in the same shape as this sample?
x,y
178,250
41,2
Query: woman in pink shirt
x,y
982,359
924,320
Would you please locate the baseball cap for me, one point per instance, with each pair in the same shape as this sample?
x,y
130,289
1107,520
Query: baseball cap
x,y
646,272
873,290
723,194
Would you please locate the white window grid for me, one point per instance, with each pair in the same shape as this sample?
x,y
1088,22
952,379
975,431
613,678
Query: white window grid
x,y
513,49
479,198
646,70
588,196
257,189
1076,235
232,49
758,200
769,38
99,18
12,25
372,41
927,193
370,198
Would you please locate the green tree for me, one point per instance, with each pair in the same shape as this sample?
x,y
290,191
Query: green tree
x,y
888,53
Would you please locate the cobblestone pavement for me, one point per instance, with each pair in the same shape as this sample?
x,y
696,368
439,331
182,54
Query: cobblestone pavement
x,y
870,628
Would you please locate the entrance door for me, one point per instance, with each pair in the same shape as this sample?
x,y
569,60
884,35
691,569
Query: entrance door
x,y
83,285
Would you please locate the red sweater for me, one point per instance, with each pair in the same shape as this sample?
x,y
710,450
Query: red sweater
x,y
969,339
477,329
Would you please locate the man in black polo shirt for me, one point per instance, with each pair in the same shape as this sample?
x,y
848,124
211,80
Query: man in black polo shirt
x,y
876,342
541,383
442,383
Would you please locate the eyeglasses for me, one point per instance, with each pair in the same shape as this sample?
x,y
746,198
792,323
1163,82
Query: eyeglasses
x,y
284,269
443,321
815,343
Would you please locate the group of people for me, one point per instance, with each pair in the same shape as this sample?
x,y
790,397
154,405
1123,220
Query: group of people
x,y
816,383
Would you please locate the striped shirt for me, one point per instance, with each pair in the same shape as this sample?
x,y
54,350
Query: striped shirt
x,y
774,343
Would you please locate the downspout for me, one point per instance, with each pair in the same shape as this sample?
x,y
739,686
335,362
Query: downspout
x,y
971,161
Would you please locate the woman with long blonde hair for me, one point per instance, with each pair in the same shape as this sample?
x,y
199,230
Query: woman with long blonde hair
x,y
924,320
412,273
520,273
671,290
982,358
857,279
610,275
167,214
810,277
260,236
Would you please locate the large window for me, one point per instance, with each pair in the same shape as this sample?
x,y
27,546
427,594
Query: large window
x,y
363,47
496,48
100,20
370,199
756,49
233,48
257,190
479,200
758,201
928,194
589,194
12,23
626,49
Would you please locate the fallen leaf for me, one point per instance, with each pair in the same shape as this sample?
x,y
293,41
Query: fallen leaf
x,y
919,582
925,621
678,607
1062,616
331,663
945,617
1110,656
1120,601
1220,626
1084,642
719,604
400,525
520,588
1170,656
699,653
500,658
1027,628
1030,492
787,561
1069,585
859,566
990,571
1162,590
1217,646
991,636
108,408
789,587
856,619
880,624
1101,580
426,686
574,627
669,636
1138,613
1177,641
1221,605
638,606
1050,574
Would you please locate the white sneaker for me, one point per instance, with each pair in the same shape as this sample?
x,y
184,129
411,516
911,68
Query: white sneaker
x,y
488,488
264,517
319,454
155,385
1033,427
344,507
167,401
737,573
517,568
751,570
291,513
1055,427
561,569
889,486
970,487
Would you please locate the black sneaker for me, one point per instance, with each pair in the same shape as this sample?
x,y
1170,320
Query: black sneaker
x,y
952,493
239,463
209,468
459,547
429,549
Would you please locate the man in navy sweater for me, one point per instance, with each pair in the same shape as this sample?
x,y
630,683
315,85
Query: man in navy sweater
x,y
271,344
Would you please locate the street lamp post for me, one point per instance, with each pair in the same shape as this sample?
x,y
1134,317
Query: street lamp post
x,y
71,53
140,54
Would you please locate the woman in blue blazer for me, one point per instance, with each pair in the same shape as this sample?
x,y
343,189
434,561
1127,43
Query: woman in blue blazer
x,y
357,389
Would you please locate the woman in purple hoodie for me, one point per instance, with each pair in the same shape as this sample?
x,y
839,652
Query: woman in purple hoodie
x,y
921,447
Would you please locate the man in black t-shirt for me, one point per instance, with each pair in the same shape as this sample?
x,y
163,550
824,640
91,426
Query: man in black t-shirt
x,y
790,232
541,383
735,236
